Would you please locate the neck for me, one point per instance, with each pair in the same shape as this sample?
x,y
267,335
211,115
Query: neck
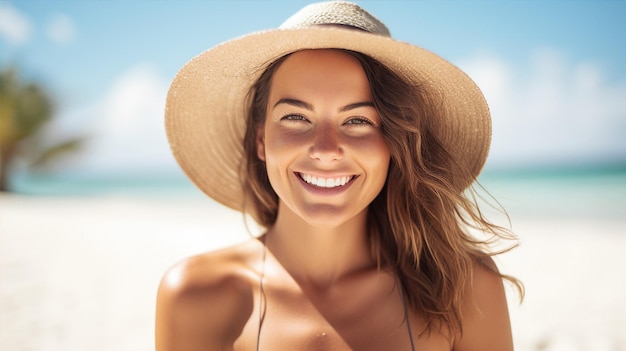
x,y
319,256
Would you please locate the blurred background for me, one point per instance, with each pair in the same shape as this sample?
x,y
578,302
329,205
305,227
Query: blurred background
x,y
93,207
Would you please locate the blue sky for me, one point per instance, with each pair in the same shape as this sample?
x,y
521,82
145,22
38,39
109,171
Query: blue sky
x,y
554,72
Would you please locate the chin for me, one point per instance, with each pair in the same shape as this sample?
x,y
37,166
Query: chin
x,y
330,217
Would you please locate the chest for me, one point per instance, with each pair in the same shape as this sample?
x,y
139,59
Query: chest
x,y
365,318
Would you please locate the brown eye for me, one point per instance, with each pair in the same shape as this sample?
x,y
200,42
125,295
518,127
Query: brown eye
x,y
294,118
361,121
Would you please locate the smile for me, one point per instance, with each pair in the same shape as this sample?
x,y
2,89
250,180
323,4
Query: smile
x,y
325,182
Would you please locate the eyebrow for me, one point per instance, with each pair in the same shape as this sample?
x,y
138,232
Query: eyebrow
x,y
307,106
357,105
295,102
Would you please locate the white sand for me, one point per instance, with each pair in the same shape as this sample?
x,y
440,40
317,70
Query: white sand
x,y
81,273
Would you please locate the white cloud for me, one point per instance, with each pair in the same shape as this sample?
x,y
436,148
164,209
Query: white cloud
x,y
61,29
14,26
552,111
128,135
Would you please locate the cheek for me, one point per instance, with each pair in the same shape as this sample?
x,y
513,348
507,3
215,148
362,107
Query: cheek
x,y
279,144
381,163
375,148
380,148
279,155
273,142
377,158
279,151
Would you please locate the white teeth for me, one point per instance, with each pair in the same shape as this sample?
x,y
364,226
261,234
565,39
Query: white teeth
x,y
325,182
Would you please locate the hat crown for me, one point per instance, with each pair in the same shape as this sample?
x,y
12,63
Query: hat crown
x,y
336,13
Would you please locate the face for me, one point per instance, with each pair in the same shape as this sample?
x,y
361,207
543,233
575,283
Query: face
x,y
322,142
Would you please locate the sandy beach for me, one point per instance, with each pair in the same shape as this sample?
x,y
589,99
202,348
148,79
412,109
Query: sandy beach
x,y
80,273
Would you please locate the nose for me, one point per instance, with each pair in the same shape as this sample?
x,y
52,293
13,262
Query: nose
x,y
326,146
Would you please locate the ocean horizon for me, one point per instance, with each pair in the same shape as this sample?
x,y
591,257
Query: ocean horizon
x,y
580,193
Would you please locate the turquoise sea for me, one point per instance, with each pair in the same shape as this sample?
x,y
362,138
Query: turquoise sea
x,y
579,193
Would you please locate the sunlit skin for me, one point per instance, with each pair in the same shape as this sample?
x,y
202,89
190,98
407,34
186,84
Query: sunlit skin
x,y
321,123
322,286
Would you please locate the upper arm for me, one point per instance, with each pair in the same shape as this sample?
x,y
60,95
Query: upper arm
x,y
485,316
200,309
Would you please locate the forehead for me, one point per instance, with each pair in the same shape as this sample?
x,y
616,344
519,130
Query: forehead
x,y
320,72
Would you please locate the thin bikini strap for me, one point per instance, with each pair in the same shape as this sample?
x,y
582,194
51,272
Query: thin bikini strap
x,y
262,302
407,318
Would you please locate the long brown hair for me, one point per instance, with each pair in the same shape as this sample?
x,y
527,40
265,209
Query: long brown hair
x,y
419,224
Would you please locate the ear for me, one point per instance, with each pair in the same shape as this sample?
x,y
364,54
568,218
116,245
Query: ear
x,y
260,143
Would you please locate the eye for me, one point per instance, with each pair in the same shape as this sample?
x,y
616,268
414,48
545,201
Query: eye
x,y
360,121
294,118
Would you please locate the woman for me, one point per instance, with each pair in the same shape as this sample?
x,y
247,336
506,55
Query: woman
x,y
354,152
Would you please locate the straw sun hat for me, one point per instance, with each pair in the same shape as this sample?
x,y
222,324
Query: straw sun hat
x,y
205,114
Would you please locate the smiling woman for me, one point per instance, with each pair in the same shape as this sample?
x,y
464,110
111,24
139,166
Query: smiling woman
x,y
355,153
334,134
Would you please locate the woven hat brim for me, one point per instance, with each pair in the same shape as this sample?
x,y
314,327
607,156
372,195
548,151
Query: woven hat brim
x,y
205,107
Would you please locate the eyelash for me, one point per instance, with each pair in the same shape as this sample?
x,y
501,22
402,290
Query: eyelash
x,y
360,121
292,118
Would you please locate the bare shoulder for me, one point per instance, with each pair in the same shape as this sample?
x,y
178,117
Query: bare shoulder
x,y
485,316
205,301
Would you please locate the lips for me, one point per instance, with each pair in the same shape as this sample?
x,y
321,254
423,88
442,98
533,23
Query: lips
x,y
322,182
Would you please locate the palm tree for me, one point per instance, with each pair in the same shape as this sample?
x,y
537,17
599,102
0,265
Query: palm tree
x,y
25,109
